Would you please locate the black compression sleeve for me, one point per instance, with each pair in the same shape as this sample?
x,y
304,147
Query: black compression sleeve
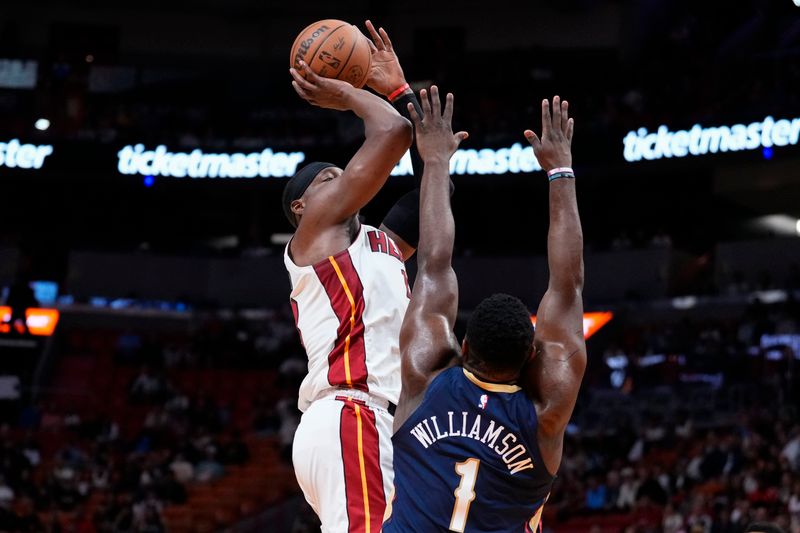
x,y
403,218
401,105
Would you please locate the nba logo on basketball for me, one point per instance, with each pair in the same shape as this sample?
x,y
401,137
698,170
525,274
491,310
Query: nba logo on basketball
x,y
484,401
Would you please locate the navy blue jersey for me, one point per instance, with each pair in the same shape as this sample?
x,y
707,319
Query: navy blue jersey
x,y
468,460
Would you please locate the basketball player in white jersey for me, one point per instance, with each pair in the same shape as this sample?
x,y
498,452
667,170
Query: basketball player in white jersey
x,y
349,295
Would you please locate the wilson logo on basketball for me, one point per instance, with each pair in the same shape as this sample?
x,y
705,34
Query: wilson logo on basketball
x,y
302,50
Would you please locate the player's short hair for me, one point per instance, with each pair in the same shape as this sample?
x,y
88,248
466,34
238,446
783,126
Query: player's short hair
x,y
500,333
764,527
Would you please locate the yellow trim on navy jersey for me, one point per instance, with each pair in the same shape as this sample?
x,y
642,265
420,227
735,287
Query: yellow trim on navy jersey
x,y
387,514
536,521
491,387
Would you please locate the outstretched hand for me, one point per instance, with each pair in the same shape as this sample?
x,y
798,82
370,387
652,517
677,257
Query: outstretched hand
x,y
385,73
322,92
554,148
434,130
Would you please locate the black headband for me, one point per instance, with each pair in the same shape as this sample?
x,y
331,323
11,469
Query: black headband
x,y
298,184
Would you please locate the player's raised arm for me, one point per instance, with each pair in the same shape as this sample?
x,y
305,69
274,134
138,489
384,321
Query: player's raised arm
x,y
427,341
388,136
386,77
554,374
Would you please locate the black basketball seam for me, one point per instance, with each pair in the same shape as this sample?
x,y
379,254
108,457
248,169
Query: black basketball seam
x,y
314,54
346,61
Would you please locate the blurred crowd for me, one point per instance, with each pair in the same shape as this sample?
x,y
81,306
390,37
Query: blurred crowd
x,y
698,434
75,469
215,341
675,476
701,432
180,441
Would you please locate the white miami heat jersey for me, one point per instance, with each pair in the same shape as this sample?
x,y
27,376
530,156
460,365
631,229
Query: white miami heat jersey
x,y
348,309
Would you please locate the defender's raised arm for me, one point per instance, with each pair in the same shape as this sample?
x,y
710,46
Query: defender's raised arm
x,y
554,374
427,342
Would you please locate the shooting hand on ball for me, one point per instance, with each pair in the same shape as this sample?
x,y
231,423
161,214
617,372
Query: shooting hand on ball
x,y
385,74
321,92
554,148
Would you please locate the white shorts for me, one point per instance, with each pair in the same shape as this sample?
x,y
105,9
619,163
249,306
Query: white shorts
x,y
342,457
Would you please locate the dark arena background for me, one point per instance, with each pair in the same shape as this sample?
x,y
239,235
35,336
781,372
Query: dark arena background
x,y
149,362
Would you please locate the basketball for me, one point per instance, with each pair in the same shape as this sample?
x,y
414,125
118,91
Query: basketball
x,y
333,49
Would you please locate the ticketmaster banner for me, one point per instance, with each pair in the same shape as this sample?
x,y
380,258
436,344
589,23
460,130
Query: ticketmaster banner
x,y
137,160
642,144
15,154
90,159
514,159
198,164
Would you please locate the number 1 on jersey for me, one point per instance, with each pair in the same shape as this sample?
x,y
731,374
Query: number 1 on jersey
x,y
465,493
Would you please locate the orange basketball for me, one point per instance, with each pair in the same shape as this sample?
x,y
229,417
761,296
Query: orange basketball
x,y
333,49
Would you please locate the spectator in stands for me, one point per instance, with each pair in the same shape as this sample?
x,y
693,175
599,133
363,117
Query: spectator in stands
x,y
123,519
148,387
792,450
148,520
649,488
699,517
714,459
794,506
627,490
101,475
673,520
6,493
612,489
182,469
31,451
595,495
209,469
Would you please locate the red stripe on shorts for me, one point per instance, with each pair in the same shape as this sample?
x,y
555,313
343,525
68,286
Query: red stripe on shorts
x,y
361,455
347,362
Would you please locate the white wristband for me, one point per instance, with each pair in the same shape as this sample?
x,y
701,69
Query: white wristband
x,y
559,170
